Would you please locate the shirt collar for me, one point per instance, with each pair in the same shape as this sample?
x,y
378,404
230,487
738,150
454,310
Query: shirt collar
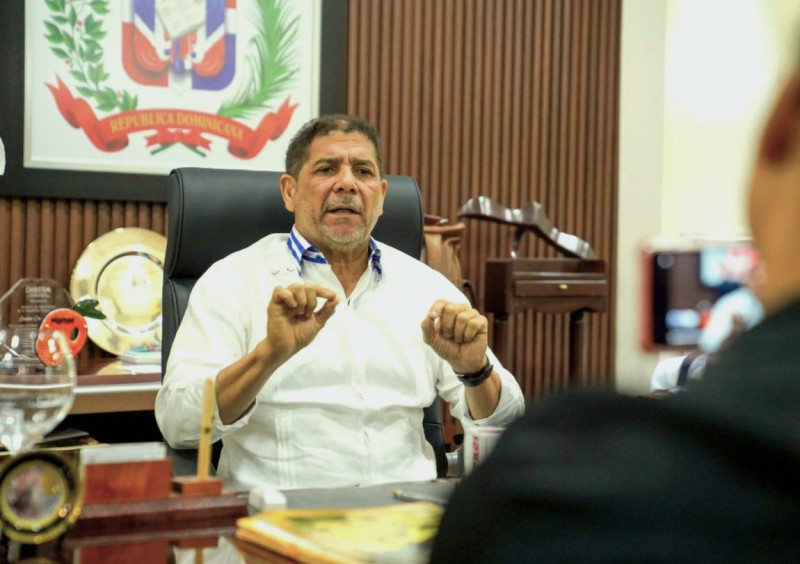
x,y
301,250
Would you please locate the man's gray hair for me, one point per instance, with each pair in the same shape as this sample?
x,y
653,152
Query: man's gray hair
x,y
298,152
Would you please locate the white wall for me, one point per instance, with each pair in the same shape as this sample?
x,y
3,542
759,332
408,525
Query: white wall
x,y
641,154
697,77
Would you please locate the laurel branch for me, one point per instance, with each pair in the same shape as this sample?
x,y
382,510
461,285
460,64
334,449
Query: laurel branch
x,y
74,35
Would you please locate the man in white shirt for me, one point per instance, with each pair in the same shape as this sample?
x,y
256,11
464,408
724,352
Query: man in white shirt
x,y
325,345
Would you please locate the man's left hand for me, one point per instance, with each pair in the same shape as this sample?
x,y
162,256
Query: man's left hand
x,y
458,333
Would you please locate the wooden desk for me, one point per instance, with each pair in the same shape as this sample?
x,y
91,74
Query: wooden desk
x,y
142,531
103,387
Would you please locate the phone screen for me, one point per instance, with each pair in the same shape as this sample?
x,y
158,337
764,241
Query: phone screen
x,y
682,285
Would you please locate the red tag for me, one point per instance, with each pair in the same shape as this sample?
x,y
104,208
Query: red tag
x,y
69,323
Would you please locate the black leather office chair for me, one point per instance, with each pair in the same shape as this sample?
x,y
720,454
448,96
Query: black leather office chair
x,y
214,212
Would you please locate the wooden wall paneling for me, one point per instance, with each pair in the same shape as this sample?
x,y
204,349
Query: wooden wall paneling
x,y
129,214
158,221
355,57
465,189
17,269
392,139
47,232
452,199
62,268
89,223
579,168
436,148
424,102
117,215
487,112
32,236
513,99
103,217
144,216
75,235
489,157
376,43
513,106
448,103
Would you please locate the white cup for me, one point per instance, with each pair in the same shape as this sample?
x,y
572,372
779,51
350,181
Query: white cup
x,y
478,443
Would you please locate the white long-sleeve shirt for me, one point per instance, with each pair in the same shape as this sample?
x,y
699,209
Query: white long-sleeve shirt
x,y
345,410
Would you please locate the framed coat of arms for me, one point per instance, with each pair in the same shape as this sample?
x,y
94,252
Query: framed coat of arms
x,y
131,89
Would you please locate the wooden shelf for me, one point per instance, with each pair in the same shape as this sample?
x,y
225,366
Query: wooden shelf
x,y
105,387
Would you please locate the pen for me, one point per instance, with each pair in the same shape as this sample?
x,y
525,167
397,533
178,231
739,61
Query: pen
x,y
411,496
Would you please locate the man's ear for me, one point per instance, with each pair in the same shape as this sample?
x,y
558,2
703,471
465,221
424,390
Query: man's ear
x,y
384,186
783,127
288,187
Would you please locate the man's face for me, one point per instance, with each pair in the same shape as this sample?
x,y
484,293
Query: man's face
x,y
338,195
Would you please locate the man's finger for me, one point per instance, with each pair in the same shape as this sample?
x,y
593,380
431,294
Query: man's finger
x,y
310,301
326,293
476,326
283,296
436,309
327,310
462,321
447,319
428,329
300,298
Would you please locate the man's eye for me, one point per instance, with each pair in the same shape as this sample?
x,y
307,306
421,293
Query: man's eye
x,y
324,169
365,171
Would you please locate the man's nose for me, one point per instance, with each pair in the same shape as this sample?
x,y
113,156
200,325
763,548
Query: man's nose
x,y
346,182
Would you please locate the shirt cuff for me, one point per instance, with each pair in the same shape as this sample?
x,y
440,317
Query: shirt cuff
x,y
194,412
509,406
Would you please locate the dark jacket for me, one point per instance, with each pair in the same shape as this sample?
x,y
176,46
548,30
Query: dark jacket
x,y
710,475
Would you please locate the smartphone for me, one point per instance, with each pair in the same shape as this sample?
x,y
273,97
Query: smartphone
x,y
681,281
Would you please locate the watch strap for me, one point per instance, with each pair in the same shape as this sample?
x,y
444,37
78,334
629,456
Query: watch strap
x,y
473,379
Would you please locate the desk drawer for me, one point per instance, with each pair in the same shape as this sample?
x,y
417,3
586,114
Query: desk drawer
x,y
560,289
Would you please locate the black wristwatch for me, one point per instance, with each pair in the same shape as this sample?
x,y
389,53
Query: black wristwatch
x,y
473,379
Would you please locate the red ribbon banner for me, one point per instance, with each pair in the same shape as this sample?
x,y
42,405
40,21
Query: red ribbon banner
x,y
171,125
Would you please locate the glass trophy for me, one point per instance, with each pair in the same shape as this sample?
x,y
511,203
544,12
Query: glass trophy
x,y
24,307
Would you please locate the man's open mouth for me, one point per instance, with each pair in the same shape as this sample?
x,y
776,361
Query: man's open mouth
x,y
343,211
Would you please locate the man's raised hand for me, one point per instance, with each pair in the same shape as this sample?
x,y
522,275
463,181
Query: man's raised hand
x,y
458,333
292,321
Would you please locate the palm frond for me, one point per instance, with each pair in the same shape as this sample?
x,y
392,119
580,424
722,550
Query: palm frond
x,y
270,60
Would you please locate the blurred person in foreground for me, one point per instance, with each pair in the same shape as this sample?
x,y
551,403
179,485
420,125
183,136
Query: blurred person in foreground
x,y
712,475
324,344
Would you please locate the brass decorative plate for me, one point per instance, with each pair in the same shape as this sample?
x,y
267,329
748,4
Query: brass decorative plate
x,y
40,496
123,270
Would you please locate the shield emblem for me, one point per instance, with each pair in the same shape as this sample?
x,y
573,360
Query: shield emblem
x,y
172,42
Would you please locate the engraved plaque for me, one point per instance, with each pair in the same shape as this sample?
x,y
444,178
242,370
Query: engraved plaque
x,y
23,308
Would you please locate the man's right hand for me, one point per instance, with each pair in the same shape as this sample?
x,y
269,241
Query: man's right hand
x,y
292,322
291,325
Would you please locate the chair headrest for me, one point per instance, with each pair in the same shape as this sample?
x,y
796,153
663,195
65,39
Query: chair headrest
x,y
214,212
